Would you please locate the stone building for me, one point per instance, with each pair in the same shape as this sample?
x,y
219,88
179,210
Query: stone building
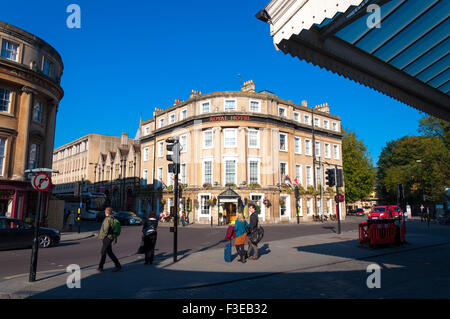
x,y
30,91
242,146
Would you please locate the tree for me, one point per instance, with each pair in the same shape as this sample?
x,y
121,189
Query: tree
x,y
359,173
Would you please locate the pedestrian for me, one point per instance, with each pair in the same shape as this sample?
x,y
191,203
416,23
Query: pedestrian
x,y
106,235
71,220
241,236
150,233
422,213
183,218
253,230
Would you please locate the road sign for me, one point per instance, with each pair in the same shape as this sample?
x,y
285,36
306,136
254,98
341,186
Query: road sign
x,y
41,182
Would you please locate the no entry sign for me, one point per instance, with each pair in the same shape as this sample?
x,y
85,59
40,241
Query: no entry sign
x,y
41,182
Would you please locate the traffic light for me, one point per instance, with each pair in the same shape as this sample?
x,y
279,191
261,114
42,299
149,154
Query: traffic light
x,y
79,214
331,177
174,147
340,178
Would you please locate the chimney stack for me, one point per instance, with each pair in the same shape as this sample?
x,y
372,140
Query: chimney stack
x,y
195,93
124,140
248,86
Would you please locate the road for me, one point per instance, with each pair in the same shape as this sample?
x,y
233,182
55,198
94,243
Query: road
x,y
86,253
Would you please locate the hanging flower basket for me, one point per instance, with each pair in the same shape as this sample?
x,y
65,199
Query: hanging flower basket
x,y
282,202
267,203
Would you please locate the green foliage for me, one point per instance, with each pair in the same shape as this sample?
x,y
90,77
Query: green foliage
x,y
359,173
420,163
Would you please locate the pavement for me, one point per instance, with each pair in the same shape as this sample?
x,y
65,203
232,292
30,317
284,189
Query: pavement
x,y
207,268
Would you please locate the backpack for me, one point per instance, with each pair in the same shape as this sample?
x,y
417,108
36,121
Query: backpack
x,y
116,228
257,235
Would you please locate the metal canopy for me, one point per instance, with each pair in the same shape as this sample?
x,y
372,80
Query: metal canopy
x,y
406,58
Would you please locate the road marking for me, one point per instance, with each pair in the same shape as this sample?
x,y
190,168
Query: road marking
x,y
39,272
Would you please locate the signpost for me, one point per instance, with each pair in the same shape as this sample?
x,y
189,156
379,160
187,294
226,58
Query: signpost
x,y
41,182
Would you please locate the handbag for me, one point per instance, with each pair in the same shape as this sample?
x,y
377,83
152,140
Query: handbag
x,y
140,250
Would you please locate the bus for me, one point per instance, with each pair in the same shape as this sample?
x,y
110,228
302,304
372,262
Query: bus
x,y
91,203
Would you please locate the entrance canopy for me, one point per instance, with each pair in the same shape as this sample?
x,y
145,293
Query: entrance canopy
x,y
398,47
229,196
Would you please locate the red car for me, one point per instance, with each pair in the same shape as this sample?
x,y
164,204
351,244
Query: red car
x,y
380,212
360,212
396,211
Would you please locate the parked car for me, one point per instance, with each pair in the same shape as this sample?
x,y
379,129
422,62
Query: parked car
x,y
395,211
360,212
380,212
128,218
351,212
15,234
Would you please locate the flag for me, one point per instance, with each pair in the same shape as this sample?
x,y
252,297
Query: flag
x,y
288,181
296,181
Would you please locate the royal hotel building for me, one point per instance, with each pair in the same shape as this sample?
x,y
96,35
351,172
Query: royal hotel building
x,y
30,92
242,146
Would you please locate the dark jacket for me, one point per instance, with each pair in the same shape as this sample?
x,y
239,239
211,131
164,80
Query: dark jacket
x,y
253,222
150,222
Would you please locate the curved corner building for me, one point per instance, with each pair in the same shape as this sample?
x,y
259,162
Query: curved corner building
x,y
242,146
30,91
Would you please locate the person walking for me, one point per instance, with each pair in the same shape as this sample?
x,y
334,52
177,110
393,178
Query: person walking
x,y
241,236
149,230
71,220
106,235
253,229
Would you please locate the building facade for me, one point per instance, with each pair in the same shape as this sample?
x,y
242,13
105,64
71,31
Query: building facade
x,y
30,92
99,163
242,146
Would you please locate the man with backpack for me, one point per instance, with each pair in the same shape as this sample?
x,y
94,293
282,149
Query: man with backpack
x,y
252,238
109,232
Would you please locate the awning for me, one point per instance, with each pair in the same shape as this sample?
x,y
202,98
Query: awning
x,y
398,47
229,196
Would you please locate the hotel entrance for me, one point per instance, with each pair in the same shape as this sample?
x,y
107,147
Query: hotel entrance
x,y
229,200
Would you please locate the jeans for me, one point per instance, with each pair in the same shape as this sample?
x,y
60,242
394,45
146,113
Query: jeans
x,y
107,249
252,246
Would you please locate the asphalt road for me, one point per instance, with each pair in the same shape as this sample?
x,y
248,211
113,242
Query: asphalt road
x,y
86,252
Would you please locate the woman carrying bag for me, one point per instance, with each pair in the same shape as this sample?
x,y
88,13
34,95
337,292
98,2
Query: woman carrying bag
x,y
149,237
241,227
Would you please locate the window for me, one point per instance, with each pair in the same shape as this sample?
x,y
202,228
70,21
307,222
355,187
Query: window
x,y
183,173
318,176
33,156
5,99
298,174
297,116
329,207
297,145
309,175
183,143
316,122
335,126
48,66
160,173
161,123
9,50
147,130
170,179
144,177
309,208
255,106
146,152
207,139
37,112
2,154
308,147
285,210
253,138
161,149
283,142
283,171
205,108
183,115
230,105
326,124
317,150
230,138
336,151
204,205
282,111
207,172
307,119
253,171
230,172
327,150
172,118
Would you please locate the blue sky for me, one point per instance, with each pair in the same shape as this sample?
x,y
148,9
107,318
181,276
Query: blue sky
x,y
130,57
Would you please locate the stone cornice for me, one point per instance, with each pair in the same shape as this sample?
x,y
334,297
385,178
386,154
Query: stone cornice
x,y
19,71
